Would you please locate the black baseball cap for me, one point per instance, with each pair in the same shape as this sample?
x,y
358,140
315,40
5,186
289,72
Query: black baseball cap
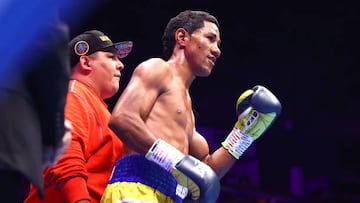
x,y
95,40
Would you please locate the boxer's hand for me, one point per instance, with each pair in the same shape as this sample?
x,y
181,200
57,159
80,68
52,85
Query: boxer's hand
x,y
52,154
196,176
257,109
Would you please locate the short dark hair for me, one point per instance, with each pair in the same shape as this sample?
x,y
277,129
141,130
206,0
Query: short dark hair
x,y
189,20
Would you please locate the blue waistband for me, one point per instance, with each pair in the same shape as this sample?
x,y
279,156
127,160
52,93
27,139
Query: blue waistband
x,y
136,168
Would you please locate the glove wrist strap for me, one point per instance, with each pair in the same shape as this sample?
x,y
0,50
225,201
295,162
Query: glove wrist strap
x,y
237,142
164,154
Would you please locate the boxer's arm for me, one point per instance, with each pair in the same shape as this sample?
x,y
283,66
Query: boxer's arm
x,y
135,104
220,160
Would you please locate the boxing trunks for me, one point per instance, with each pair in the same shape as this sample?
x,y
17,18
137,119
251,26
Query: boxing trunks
x,y
137,180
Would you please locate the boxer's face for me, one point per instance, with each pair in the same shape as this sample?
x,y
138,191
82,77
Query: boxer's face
x,y
202,49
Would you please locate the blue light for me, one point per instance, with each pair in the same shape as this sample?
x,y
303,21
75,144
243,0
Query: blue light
x,y
21,23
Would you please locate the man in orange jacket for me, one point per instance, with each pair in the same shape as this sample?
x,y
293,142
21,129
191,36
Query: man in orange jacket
x,y
83,171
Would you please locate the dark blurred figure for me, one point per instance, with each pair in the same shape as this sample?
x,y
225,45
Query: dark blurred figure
x,y
32,100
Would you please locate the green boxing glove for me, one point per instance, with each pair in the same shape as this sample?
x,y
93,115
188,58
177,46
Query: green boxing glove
x,y
257,109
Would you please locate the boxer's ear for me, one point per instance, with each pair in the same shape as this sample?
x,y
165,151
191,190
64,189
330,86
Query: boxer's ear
x,y
181,36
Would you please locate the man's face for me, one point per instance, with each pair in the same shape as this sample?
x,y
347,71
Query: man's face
x,y
107,69
202,50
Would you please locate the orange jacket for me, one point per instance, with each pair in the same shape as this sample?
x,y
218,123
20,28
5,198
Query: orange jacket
x,y
84,169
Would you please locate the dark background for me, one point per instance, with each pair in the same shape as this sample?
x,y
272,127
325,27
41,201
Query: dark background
x,y
306,52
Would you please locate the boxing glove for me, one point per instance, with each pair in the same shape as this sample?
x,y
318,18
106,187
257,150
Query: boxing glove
x,y
200,180
257,109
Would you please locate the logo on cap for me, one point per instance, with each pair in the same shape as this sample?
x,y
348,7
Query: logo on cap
x,y
81,48
104,38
